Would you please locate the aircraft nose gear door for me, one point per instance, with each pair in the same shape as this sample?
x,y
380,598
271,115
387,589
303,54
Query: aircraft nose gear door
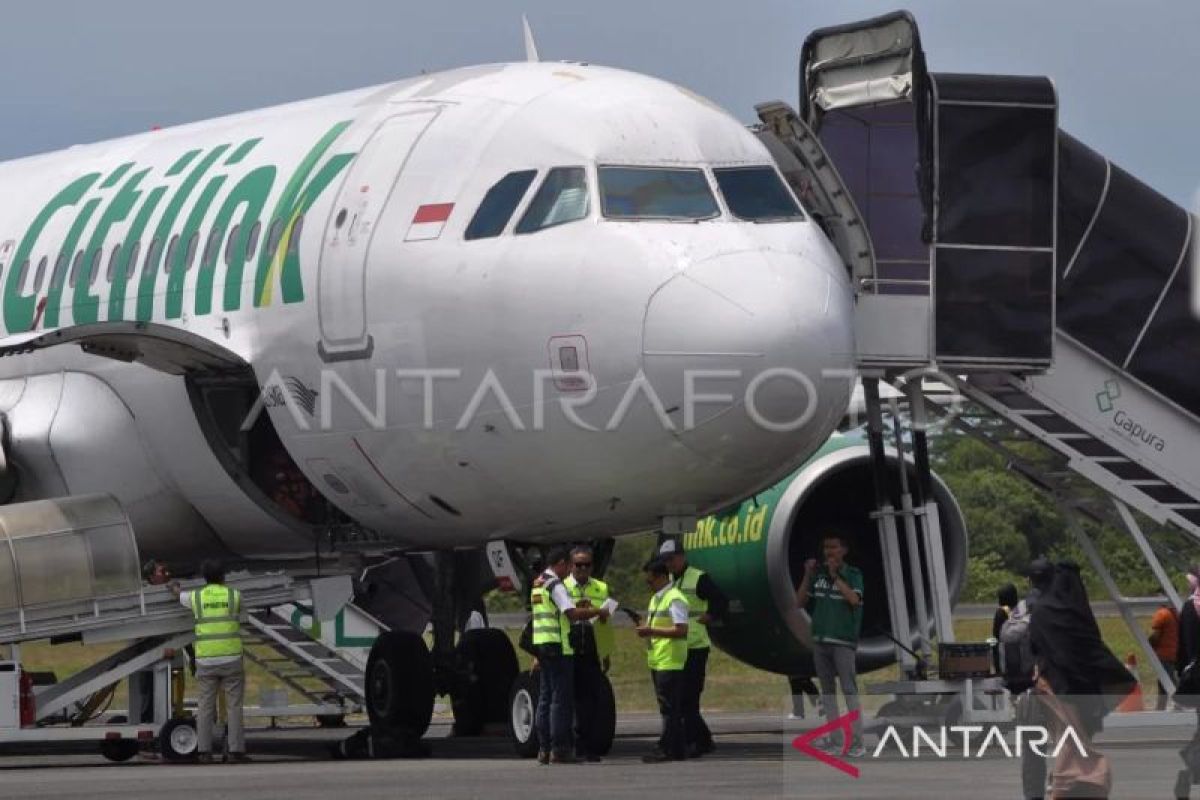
x,y
342,283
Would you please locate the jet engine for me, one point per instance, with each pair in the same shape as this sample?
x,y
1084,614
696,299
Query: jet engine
x,y
756,554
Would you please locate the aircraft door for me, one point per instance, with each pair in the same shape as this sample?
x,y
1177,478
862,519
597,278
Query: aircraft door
x,y
341,305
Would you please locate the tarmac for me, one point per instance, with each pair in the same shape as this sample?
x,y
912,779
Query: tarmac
x,y
753,759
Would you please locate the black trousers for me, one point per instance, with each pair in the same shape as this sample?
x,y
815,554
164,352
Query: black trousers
x,y
697,732
588,677
669,688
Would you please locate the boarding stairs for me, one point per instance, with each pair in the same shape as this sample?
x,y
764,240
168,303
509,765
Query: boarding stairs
x,y
141,612
321,675
1013,282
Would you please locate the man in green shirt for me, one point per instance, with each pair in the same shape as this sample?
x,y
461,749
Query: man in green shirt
x,y
835,590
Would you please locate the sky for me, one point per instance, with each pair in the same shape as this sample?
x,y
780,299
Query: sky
x,y
74,71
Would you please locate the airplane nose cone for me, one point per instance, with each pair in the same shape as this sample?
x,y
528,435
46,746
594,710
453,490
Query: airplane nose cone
x,y
770,331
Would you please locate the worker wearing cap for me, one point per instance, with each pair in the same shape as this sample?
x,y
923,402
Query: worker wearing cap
x,y
592,643
216,608
666,629
553,612
706,603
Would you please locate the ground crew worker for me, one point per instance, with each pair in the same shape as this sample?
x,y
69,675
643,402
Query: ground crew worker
x,y
836,591
218,660
553,612
667,630
706,603
592,644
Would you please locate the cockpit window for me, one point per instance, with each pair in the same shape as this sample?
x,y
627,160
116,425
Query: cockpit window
x,y
562,197
652,193
498,205
756,194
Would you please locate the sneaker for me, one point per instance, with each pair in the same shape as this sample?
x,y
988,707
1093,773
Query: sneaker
x,y
828,744
543,757
856,751
657,757
563,758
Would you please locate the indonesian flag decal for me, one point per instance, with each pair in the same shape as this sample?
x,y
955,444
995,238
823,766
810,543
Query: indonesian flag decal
x,y
428,222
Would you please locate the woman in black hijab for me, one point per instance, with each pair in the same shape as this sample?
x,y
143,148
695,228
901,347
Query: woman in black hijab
x,y
1079,681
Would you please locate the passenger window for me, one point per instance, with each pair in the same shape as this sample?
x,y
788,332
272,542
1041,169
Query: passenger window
x,y
211,249
229,243
41,274
93,267
60,271
561,198
499,204
646,193
112,263
131,262
252,239
171,247
193,243
757,194
76,265
294,236
23,275
152,253
273,237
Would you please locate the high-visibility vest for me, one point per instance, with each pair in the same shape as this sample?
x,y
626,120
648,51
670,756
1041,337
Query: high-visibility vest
x,y
596,591
665,654
218,632
550,626
697,630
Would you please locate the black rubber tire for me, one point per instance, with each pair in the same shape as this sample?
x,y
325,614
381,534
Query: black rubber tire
x,y
522,704
486,664
606,720
174,742
119,749
399,684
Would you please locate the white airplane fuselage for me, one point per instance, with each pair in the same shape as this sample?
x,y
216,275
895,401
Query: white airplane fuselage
x,y
324,244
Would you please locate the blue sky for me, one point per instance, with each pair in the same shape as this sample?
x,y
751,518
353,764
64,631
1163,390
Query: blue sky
x,y
77,71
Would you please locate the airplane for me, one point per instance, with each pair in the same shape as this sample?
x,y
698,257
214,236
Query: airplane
x,y
528,302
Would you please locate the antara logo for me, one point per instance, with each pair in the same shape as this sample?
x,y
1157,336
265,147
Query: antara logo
x,y
120,198
977,741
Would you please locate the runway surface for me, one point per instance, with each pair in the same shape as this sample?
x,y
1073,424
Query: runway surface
x,y
753,759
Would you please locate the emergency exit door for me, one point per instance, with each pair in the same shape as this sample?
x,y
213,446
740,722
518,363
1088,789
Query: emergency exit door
x,y
342,274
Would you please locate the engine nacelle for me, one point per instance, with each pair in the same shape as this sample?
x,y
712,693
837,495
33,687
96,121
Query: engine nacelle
x,y
757,556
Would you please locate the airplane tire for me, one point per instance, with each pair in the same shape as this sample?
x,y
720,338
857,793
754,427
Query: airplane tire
x,y
522,704
606,720
399,684
487,666
177,739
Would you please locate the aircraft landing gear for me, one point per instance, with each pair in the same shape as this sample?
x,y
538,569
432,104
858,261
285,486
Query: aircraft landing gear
x,y
485,666
399,686
522,709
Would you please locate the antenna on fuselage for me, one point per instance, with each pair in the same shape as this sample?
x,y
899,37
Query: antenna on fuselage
x,y
531,53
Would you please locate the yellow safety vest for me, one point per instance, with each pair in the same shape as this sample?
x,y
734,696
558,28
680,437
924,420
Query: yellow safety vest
x,y
550,626
218,632
596,591
665,654
697,630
